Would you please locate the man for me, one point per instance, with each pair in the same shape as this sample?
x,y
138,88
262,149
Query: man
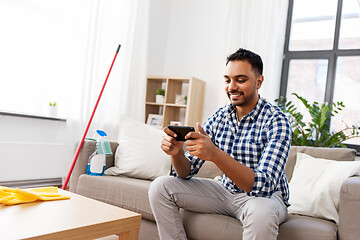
x,y
248,140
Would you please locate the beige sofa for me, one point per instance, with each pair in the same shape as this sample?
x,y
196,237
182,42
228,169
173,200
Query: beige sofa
x,y
132,194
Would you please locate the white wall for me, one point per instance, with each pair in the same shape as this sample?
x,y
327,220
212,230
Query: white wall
x,y
159,15
188,38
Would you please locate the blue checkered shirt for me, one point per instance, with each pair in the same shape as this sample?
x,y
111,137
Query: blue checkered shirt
x,y
260,140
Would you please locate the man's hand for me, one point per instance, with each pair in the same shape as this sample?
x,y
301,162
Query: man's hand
x,y
201,146
169,145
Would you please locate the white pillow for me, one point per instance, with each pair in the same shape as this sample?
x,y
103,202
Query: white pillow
x,y
315,185
139,154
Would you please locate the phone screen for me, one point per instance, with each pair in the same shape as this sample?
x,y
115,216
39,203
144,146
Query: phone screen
x,y
181,131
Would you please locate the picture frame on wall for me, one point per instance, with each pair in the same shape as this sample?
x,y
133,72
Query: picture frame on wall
x,y
155,120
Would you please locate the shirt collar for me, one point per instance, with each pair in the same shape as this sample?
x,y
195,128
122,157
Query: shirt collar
x,y
255,112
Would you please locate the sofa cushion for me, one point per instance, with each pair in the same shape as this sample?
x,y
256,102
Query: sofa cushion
x,y
209,170
139,154
121,191
224,227
315,185
340,154
203,226
298,227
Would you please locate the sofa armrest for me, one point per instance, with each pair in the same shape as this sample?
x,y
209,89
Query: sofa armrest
x,y
349,209
80,167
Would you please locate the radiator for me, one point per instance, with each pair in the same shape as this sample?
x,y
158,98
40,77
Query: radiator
x,y
21,162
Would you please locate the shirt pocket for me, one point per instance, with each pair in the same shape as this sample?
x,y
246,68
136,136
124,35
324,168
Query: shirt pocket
x,y
248,152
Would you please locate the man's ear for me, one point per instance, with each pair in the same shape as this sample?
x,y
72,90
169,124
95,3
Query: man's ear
x,y
259,81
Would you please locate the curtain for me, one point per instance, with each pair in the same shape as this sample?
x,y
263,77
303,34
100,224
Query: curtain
x,y
113,22
259,26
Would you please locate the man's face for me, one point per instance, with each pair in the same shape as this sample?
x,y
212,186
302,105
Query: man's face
x,y
242,83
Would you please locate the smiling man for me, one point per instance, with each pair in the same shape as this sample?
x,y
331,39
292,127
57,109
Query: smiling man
x,y
248,140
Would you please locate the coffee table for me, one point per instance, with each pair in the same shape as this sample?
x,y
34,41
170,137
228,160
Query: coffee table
x,y
77,218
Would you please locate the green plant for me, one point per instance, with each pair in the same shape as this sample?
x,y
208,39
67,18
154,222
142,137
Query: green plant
x,y
317,131
160,91
52,104
185,98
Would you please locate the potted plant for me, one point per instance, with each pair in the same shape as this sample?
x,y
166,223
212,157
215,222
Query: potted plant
x,y
317,131
160,94
53,109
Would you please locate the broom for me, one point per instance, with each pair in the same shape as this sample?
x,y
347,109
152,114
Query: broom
x,y
88,125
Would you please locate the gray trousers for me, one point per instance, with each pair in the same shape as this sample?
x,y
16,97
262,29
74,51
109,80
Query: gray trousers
x,y
259,216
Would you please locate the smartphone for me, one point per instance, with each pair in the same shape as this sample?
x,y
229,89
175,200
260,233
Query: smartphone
x,y
181,131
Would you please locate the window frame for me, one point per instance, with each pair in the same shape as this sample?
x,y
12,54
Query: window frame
x,y
331,55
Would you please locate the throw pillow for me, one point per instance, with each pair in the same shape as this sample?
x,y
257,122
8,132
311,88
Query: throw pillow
x,y
139,154
315,186
339,154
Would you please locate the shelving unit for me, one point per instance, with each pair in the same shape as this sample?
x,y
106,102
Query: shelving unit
x,y
187,113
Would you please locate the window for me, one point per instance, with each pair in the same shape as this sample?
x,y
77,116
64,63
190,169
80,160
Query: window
x,y
322,57
39,54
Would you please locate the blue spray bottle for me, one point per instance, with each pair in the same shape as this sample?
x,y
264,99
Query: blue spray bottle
x,y
97,161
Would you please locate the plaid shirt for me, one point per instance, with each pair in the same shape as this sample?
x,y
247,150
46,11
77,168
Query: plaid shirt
x,y
260,140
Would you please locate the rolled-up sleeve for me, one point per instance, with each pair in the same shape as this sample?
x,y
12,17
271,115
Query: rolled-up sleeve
x,y
273,158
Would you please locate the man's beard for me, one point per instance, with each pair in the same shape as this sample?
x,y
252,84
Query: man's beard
x,y
240,102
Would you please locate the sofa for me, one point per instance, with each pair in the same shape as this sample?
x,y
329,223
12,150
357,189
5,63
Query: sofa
x,y
132,194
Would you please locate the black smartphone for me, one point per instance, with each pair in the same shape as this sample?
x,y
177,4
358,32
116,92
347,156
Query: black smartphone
x,y
181,131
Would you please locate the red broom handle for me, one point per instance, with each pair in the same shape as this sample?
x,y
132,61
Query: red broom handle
x,y
88,125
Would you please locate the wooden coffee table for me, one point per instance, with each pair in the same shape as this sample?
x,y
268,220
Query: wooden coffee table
x,y
76,218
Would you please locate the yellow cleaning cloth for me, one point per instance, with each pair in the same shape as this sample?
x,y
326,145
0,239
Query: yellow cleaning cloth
x,y
12,196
